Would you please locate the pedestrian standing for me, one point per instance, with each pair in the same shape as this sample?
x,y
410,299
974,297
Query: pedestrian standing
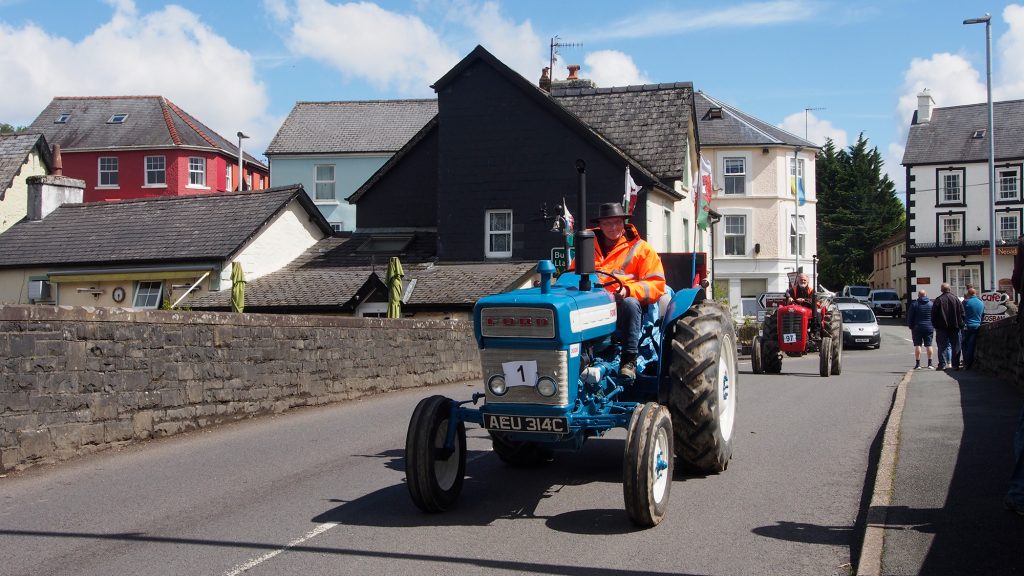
x,y
974,310
948,320
919,318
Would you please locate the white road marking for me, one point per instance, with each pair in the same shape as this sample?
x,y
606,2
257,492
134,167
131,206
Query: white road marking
x,y
257,561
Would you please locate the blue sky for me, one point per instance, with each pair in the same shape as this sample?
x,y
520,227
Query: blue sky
x,y
242,65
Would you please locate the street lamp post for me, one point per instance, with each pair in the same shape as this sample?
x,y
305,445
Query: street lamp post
x,y
241,177
987,21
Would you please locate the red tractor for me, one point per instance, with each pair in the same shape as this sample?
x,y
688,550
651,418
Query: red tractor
x,y
792,330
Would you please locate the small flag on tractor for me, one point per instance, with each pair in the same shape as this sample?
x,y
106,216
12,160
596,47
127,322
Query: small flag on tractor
x,y
629,197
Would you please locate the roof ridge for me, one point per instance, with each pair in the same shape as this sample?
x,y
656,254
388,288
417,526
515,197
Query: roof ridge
x,y
994,102
188,197
175,137
619,89
137,97
188,120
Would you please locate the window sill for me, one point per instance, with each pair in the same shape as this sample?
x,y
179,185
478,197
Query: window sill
x,y
952,205
326,202
107,187
195,187
155,186
500,256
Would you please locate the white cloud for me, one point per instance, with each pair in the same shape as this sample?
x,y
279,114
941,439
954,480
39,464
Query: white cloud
x,y
169,53
1008,52
670,22
817,129
517,45
612,68
361,40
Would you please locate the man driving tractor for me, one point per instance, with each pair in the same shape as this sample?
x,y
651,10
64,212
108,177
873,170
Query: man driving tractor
x,y
802,294
620,251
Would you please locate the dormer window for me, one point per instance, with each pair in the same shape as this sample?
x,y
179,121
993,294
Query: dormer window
x,y
715,113
978,134
62,119
117,119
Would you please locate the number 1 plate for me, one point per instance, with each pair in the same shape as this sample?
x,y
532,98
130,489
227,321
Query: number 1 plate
x,y
513,423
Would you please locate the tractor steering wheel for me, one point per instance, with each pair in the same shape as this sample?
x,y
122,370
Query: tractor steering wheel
x,y
615,280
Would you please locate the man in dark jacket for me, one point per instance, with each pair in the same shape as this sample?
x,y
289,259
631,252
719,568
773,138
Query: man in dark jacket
x,y
919,318
948,320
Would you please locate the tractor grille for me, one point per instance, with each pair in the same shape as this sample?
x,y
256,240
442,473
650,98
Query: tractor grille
x,y
553,363
793,324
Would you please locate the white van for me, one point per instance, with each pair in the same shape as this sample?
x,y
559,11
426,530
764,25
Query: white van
x,y
861,293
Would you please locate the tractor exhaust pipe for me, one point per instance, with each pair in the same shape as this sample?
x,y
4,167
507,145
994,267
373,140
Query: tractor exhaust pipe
x,y
584,238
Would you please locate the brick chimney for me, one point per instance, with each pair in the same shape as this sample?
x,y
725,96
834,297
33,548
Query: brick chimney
x,y
47,193
924,106
573,80
545,79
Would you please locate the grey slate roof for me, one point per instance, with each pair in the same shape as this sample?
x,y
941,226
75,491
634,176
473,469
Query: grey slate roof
x,y
329,275
648,122
152,122
737,128
358,126
14,151
170,229
947,137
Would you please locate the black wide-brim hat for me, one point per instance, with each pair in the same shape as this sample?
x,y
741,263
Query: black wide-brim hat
x,y
609,210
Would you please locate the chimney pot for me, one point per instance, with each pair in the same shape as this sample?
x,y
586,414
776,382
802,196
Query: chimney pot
x,y
545,79
58,164
573,70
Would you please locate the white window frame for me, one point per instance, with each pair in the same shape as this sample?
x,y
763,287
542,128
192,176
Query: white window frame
x,y
726,234
794,231
149,292
667,232
197,172
111,168
332,183
960,276
734,177
944,177
227,176
1008,185
942,229
162,171
1008,234
491,233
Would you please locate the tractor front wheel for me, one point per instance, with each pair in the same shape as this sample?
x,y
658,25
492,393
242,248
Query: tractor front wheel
x,y
702,396
647,471
825,357
434,474
756,361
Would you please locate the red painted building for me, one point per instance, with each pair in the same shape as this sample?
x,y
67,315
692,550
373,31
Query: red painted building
x,y
128,147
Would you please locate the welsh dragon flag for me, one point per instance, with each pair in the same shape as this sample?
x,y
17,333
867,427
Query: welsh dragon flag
x,y
629,198
703,198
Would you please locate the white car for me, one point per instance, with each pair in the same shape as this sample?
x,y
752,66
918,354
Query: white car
x,y
860,327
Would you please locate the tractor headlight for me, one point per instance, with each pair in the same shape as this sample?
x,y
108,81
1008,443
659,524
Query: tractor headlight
x,y
546,386
496,384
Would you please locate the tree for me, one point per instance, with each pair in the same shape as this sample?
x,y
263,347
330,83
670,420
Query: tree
x,y
857,210
6,128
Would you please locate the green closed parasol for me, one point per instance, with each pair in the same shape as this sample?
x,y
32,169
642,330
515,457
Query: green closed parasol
x,y
237,287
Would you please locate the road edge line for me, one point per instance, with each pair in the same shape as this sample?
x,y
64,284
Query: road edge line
x,y
870,561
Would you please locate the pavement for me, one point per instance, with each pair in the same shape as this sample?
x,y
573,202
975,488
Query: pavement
x,y
946,456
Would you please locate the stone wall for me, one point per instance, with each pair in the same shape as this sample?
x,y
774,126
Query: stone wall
x,y
1000,352
75,380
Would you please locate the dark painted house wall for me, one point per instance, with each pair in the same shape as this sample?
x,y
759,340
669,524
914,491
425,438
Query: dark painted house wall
x,y
501,147
406,195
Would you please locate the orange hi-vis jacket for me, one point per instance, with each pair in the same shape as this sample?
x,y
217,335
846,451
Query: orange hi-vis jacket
x,y
635,263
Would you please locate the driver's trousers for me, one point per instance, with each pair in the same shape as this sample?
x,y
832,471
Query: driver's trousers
x,y
627,325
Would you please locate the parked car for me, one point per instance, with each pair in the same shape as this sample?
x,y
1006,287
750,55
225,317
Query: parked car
x,y
885,302
860,327
846,300
859,292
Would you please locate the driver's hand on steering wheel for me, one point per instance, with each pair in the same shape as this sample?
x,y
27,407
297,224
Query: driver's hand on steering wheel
x,y
621,294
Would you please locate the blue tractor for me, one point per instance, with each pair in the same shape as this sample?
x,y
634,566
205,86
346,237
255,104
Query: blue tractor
x,y
551,382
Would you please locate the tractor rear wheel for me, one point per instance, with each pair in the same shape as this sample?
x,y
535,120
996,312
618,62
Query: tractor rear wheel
x,y
702,395
519,454
825,357
770,356
434,474
756,361
647,468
